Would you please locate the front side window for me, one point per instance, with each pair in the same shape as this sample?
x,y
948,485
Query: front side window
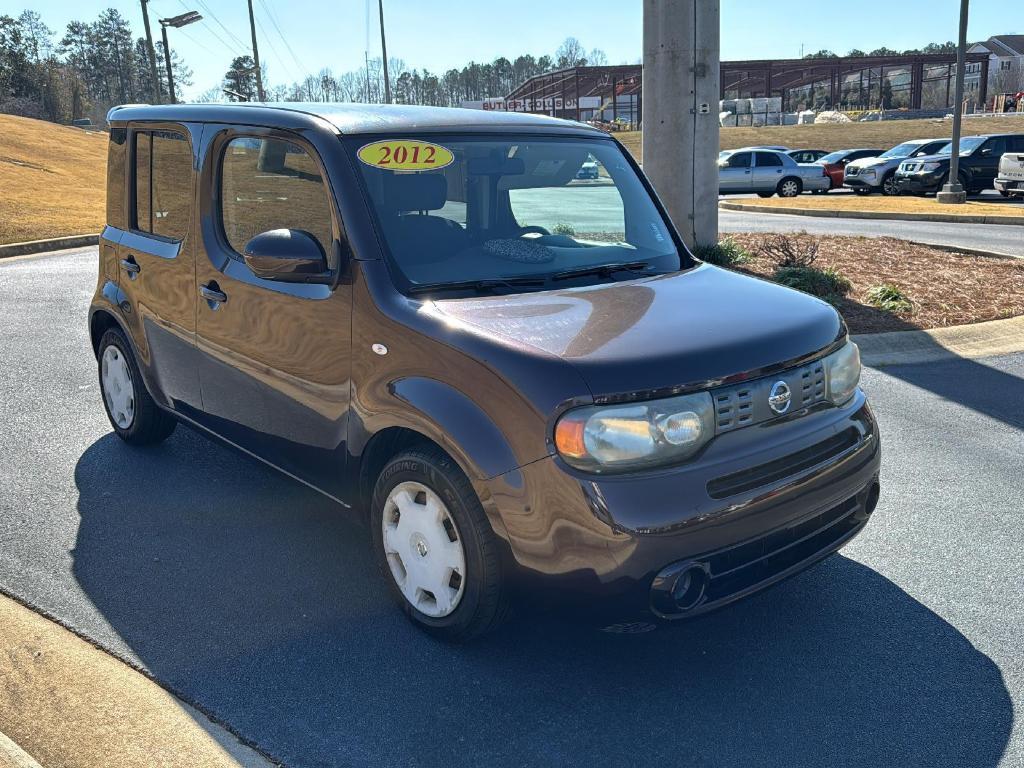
x,y
162,183
739,160
530,211
270,184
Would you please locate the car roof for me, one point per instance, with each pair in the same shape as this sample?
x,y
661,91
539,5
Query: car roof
x,y
349,118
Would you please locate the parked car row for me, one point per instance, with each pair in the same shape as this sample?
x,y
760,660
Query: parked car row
x,y
980,158
917,167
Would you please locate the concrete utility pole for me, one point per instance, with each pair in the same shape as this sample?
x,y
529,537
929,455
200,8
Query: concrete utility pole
x,y
256,55
953,192
152,54
384,54
680,112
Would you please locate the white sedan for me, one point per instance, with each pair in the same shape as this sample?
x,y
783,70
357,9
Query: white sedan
x,y
768,173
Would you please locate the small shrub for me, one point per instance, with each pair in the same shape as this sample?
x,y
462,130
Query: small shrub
x,y
563,229
825,283
725,253
788,251
889,297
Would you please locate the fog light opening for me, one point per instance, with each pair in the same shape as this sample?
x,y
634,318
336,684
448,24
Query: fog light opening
x,y
688,590
872,500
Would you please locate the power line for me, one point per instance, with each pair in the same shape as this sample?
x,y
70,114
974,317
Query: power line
x,y
229,33
273,20
233,49
280,59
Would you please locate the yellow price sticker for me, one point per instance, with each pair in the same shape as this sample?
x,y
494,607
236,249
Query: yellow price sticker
x,y
405,155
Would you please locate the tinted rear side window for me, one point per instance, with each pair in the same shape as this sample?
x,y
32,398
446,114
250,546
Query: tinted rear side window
x,y
767,159
162,183
272,184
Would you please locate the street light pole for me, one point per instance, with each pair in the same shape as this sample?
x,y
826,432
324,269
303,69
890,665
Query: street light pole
x,y
184,19
167,61
953,192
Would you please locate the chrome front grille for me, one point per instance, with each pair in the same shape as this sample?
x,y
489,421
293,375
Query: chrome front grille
x,y
745,404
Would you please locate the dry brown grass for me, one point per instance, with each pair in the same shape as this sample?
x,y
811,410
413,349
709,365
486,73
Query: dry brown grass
x,y
883,134
883,204
945,288
52,180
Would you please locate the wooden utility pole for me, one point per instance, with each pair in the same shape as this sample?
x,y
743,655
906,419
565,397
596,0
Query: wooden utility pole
x,y
256,55
154,79
383,54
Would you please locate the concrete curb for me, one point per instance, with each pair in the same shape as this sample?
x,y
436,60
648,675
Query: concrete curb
x,y
13,756
834,214
995,337
53,244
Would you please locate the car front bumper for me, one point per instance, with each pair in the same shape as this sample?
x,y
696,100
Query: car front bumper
x,y
758,505
919,183
862,182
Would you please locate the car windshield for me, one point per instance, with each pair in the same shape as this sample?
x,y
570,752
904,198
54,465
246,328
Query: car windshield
x,y
834,157
968,144
903,150
512,213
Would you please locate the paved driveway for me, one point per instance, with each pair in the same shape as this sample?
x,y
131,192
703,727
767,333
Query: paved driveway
x,y
255,598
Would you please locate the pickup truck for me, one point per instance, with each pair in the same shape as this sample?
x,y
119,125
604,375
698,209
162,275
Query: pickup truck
x,y
1010,176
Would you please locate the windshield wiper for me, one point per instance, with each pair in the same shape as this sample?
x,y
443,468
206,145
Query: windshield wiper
x,y
485,284
602,270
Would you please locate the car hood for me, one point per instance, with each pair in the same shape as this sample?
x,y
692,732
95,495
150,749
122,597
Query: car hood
x,y
655,334
871,162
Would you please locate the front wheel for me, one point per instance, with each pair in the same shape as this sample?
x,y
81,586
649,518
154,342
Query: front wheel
x,y
789,187
889,184
765,194
435,547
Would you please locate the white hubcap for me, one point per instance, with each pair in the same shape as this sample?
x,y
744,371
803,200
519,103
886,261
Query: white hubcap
x,y
117,387
424,549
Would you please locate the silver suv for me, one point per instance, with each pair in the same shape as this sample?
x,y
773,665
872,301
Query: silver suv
x,y
877,174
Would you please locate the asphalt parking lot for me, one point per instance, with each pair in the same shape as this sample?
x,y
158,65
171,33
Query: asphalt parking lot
x,y
255,598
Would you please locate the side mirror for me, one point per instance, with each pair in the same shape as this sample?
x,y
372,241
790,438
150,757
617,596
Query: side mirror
x,y
287,256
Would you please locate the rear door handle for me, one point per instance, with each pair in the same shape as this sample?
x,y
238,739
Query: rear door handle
x,y
211,292
130,266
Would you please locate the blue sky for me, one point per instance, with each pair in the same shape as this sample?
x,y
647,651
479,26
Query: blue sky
x,y
448,33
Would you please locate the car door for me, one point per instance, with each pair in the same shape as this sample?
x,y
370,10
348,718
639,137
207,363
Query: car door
x,y
984,162
734,175
768,168
156,259
275,355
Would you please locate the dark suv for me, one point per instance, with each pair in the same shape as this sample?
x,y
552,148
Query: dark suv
x,y
518,379
979,164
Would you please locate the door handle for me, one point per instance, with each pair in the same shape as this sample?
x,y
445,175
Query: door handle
x,y
130,266
212,293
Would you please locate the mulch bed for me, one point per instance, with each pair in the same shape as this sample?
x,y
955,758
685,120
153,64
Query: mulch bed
x,y
945,288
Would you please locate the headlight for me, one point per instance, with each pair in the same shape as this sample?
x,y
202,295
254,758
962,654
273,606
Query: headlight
x,y
930,166
868,172
634,435
842,373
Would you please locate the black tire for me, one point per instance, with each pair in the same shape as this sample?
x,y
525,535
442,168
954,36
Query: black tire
x,y
889,184
790,187
150,424
484,603
862,191
765,194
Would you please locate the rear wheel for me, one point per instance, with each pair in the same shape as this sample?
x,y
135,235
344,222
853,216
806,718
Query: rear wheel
x,y
134,415
789,187
436,548
862,191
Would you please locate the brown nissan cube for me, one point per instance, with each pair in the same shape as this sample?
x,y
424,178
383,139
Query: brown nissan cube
x,y
513,371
